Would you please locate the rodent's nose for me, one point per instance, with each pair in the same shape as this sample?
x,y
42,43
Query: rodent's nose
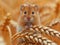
x,y
28,18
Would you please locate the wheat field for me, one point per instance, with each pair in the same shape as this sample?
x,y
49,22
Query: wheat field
x,y
12,8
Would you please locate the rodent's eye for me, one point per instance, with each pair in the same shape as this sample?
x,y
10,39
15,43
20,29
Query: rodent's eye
x,y
25,12
32,12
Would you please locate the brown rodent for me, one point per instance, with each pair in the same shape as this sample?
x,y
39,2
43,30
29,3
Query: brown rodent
x,y
29,15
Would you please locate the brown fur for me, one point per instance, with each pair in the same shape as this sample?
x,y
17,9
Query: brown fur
x,y
29,9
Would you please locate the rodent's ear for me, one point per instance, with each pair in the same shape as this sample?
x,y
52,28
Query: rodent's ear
x,y
22,7
36,7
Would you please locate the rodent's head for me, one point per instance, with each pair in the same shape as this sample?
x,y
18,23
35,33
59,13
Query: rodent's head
x,y
29,15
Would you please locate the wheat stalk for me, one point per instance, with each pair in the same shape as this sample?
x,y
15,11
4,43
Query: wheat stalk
x,y
54,22
31,36
46,30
